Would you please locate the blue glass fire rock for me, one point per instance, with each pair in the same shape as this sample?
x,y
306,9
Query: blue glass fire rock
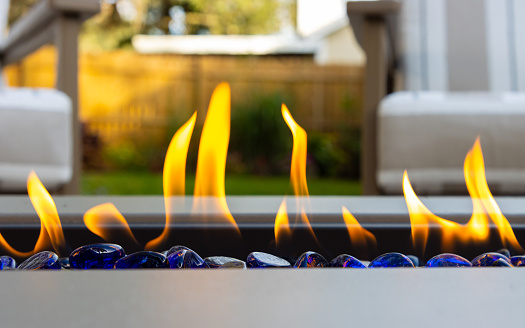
x,y
448,260
504,251
96,256
234,265
176,249
488,259
310,260
185,259
518,261
391,260
265,260
502,263
414,260
41,261
7,262
142,260
346,261
215,262
64,263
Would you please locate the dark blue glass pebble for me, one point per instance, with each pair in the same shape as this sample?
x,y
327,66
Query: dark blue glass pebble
x,y
488,259
96,256
64,262
265,260
215,262
518,261
176,249
414,260
346,261
448,260
41,261
502,263
391,260
185,259
142,260
7,262
504,251
310,260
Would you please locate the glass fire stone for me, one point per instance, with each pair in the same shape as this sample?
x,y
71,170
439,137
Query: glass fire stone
x,y
234,265
518,260
176,249
502,263
185,259
265,260
391,260
96,256
215,262
414,260
310,260
142,260
504,251
41,261
7,262
448,260
488,259
346,261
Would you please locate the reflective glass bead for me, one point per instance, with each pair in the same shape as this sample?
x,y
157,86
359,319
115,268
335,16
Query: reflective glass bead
x,y
448,260
96,256
176,249
414,260
310,260
41,261
185,259
518,260
502,263
217,261
346,261
64,262
488,259
391,260
265,260
142,260
234,265
7,262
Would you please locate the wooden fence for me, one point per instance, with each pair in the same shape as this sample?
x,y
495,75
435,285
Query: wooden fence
x,y
123,93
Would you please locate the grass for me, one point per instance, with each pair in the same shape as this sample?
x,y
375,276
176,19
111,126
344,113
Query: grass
x,y
147,183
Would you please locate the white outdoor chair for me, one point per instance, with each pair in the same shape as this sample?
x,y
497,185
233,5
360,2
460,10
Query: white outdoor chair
x,y
461,67
39,128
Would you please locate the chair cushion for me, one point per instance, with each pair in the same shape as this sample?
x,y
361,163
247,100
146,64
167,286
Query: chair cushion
x,y
429,134
35,134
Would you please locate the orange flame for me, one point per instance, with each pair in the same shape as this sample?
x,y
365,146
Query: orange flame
x,y
477,228
298,166
213,149
359,236
282,225
174,175
106,214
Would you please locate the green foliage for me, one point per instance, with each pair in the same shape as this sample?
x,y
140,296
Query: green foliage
x,y
260,139
327,156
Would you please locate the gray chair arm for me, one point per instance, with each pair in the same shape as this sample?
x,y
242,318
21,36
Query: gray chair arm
x,y
370,21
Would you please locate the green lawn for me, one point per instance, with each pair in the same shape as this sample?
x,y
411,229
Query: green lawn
x,y
146,183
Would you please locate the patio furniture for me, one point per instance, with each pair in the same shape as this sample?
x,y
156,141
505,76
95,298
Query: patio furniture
x,y
39,128
439,73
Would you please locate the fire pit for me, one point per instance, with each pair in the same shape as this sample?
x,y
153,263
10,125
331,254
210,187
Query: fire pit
x,y
213,224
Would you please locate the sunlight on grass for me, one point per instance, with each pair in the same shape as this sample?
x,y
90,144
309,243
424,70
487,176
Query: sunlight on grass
x,y
146,183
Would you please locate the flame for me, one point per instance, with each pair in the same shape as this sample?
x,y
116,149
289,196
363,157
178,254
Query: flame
x,y
47,212
213,149
359,236
282,225
106,214
174,175
298,166
477,229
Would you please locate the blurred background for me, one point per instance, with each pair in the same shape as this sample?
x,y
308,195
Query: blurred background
x,y
146,65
